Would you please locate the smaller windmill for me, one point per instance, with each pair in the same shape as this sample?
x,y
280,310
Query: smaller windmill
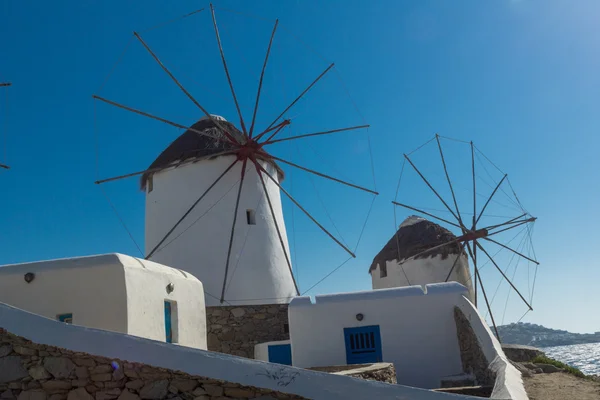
x,y
4,85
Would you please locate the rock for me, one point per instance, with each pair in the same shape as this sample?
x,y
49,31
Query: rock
x,y
108,394
82,372
214,390
548,368
58,396
127,395
79,382
38,372
84,362
33,385
185,385
528,365
239,392
238,312
520,353
79,394
131,373
5,350
135,385
118,374
7,394
202,398
59,367
260,316
32,395
101,377
102,369
525,372
56,386
155,390
24,351
11,369
538,371
212,341
198,392
228,336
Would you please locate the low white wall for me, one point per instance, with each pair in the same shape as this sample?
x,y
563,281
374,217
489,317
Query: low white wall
x,y
418,331
113,292
261,350
509,382
309,384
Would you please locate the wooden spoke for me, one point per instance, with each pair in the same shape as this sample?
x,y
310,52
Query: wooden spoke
x,y
474,187
235,212
510,221
431,187
260,82
275,128
281,126
514,251
478,277
166,121
237,106
157,169
456,261
4,84
287,258
516,224
190,210
437,138
315,134
490,198
503,274
4,166
426,213
473,254
306,212
322,175
430,249
301,95
183,89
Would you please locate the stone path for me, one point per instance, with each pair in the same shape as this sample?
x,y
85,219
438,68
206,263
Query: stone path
x,y
560,386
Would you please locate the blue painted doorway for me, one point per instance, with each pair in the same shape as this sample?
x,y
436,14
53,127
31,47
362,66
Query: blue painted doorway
x,y
363,345
168,329
280,354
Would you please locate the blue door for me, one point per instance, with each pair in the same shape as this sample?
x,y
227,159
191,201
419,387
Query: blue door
x,y
168,330
363,345
280,354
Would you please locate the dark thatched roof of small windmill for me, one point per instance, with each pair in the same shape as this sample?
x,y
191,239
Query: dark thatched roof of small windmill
x,y
412,239
191,145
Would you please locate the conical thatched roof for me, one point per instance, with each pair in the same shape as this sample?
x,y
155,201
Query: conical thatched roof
x,y
191,145
415,235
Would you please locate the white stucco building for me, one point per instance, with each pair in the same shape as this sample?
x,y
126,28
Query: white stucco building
x,y
258,272
411,327
112,292
393,266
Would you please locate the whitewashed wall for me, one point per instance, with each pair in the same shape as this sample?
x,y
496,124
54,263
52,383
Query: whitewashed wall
x,y
423,271
258,272
308,384
418,331
261,350
113,292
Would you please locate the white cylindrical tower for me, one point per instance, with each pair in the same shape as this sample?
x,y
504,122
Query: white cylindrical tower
x,y
258,272
414,236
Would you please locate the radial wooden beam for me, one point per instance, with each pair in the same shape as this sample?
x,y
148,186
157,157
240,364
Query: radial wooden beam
x,y
301,95
437,138
306,212
281,242
190,210
516,224
315,134
431,187
510,221
503,274
455,261
275,128
166,121
474,187
237,105
426,213
514,251
4,84
260,82
321,174
231,237
4,166
183,89
487,303
490,198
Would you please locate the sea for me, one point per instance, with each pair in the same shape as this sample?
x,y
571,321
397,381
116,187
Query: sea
x,y
585,357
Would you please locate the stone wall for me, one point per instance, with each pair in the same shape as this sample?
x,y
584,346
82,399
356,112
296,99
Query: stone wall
x,y
30,371
520,353
236,329
472,357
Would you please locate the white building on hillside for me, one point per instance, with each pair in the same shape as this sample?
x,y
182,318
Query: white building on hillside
x,y
392,266
258,272
113,292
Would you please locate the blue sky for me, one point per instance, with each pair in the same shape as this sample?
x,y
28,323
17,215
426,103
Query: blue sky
x,y
519,78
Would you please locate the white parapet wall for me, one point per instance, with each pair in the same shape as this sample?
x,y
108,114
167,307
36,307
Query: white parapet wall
x,y
196,362
113,292
416,324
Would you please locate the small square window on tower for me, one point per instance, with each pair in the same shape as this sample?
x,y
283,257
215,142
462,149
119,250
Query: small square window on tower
x,y
251,217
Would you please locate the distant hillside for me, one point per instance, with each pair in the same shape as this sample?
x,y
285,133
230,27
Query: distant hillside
x,y
540,336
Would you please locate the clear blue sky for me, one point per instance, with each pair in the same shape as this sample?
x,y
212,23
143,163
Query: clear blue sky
x,y
520,78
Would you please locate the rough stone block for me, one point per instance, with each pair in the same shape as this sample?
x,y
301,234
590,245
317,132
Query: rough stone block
x,y
59,367
11,369
79,394
155,390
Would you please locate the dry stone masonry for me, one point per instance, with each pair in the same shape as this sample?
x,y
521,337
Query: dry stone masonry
x,y
29,371
236,329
